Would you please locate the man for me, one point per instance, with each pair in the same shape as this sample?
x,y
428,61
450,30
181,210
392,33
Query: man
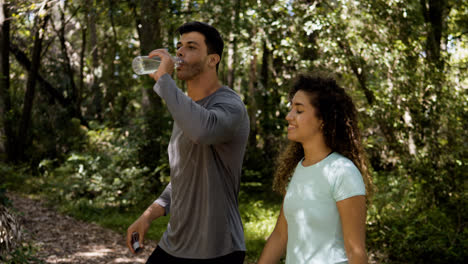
x,y
206,151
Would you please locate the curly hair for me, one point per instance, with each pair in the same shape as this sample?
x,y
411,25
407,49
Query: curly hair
x,y
340,128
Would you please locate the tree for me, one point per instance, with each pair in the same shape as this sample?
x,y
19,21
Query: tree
x,y
5,106
403,62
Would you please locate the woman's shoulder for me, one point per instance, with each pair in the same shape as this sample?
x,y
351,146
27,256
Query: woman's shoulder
x,y
339,165
345,178
338,160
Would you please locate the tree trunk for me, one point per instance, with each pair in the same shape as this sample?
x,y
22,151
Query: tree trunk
x,y
93,39
113,87
74,95
232,48
22,58
149,32
150,38
358,67
5,106
66,103
252,103
434,14
82,64
23,133
264,75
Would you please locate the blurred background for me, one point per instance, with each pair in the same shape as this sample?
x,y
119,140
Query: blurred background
x,y
81,130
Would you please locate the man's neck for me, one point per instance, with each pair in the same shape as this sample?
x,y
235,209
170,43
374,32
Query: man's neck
x,y
202,86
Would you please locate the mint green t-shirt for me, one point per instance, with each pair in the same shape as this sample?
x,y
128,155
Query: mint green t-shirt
x,y
314,227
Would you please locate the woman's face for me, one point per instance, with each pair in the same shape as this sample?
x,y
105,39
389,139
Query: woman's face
x,y
304,125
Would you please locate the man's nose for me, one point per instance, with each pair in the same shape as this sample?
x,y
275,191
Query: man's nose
x,y
179,52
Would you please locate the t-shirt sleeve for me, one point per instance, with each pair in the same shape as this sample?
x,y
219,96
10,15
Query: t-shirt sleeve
x,y
164,199
348,182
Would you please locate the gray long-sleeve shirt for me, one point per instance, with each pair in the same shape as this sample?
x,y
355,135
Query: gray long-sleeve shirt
x,y
206,151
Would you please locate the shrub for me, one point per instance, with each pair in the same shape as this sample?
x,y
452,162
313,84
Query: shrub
x,y
106,174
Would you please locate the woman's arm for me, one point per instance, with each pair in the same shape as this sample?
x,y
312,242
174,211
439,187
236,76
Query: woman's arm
x,y
353,222
276,244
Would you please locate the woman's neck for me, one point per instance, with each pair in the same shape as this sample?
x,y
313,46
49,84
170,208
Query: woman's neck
x,y
315,152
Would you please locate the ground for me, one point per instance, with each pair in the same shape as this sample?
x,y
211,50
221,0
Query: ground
x,y
62,239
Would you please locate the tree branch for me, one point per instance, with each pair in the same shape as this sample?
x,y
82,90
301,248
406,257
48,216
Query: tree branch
x,y
26,63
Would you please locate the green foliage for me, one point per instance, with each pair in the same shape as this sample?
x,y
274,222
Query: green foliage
x,y
3,198
106,174
410,226
23,254
16,178
259,218
410,92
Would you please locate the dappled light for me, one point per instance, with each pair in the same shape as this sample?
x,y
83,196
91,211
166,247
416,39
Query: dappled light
x,y
80,131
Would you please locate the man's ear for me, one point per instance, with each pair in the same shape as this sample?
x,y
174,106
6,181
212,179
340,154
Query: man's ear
x,y
214,59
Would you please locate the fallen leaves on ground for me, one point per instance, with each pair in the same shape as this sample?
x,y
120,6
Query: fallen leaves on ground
x,y
63,239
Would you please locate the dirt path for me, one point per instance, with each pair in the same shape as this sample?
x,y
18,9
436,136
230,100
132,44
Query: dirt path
x,y
62,239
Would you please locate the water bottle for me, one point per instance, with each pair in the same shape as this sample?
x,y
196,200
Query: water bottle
x,y
144,65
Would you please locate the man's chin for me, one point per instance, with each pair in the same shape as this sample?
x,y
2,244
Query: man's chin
x,y
182,76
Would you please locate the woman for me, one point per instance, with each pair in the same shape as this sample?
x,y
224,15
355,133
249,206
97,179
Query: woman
x,y
323,175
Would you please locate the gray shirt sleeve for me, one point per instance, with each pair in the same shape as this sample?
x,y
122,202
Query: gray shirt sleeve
x,y
164,199
203,126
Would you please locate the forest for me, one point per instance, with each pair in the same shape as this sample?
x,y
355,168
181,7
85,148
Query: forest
x,y
81,130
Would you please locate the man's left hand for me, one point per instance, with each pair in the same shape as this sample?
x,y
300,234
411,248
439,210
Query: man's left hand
x,y
166,66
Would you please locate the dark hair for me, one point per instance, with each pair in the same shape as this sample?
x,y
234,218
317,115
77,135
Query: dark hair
x,y
340,128
213,40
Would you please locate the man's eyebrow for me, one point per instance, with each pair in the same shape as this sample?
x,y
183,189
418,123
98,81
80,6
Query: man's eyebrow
x,y
189,42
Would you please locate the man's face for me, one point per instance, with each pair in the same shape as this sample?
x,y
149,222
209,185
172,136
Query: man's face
x,y
193,51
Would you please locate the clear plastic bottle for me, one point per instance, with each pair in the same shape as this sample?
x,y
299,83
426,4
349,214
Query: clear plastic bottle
x,y
144,65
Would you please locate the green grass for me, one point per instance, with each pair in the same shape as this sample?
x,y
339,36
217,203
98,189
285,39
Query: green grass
x,y
259,213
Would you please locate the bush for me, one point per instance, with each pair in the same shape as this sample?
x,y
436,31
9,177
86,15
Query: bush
x,y
106,174
408,225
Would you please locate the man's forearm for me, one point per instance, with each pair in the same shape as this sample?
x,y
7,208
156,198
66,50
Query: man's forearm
x,y
153,212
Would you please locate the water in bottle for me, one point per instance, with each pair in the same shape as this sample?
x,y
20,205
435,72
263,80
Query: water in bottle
x,y
144,65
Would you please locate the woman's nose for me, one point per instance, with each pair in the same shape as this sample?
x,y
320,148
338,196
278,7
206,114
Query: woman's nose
x,y
289,116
